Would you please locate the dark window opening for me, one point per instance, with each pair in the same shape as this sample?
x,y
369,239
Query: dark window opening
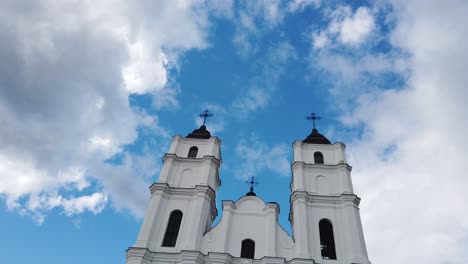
x,y
327,240
193,152
248,249
318,158
172,230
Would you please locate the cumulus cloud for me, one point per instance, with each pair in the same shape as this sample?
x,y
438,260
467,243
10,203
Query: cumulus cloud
x,y
37,204
257,157
355,77
66,74
345,27
320,40
354,29
143,72
410,159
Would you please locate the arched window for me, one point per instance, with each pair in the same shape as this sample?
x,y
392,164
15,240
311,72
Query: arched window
x,y
193,152
172,230
327,240
248,249
318,157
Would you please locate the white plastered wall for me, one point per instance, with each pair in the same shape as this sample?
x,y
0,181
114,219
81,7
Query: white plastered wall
x,y
325,191
180,146
249,218
322,179
180,171
332,153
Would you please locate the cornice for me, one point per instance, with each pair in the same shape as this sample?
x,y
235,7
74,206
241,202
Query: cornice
x,y
233,207
194,160
188,256
205,158
203,190
312,198
166,188
202,140
322,166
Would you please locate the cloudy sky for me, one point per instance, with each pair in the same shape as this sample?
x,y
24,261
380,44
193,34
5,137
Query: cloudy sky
x,y
91,93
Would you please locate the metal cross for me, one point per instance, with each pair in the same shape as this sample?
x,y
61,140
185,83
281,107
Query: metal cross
x,y
313,117
205,115
252,181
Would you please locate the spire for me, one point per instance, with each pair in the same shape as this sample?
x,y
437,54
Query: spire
x,y
315,137
202,132
252,181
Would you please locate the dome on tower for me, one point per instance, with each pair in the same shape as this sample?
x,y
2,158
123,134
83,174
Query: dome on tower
x,y
200,133
316,138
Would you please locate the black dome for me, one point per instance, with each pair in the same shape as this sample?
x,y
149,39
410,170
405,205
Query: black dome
x,y
200,133
251,193
316,138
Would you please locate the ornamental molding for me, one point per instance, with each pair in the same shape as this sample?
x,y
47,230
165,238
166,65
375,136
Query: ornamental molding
x,y
343,199
236,207
193,160
204,191
201,141
324,167
144,255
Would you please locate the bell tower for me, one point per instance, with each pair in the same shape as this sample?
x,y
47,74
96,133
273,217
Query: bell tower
x,y
182,205
324,212
324,209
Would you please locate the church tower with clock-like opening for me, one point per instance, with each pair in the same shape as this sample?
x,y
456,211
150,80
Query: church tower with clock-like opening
x,y
324,212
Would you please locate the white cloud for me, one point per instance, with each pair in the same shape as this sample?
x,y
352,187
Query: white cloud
x,y
355,77
345,27
38,204
144,73
94,203
320,40
356,28
300,5
66,73
257,157
409,163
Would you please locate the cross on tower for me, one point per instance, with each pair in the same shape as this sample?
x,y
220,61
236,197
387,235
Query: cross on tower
x,y
205,115
313,117
252,181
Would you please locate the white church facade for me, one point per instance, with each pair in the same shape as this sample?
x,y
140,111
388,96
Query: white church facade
x,y
324,213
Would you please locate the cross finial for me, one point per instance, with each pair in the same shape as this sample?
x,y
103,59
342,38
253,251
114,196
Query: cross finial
x,y
252,181
205,115
313,117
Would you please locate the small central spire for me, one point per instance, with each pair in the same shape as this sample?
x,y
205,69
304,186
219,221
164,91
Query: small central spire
x,y
313,117
202,132
205,115
315,137
252,181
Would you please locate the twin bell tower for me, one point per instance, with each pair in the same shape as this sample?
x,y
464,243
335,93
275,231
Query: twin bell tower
x,y
324,211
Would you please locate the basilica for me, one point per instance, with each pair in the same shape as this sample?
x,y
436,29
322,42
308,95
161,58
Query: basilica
x,y
324,211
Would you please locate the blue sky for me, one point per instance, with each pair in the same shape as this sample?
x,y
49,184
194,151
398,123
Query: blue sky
x,y
91,94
